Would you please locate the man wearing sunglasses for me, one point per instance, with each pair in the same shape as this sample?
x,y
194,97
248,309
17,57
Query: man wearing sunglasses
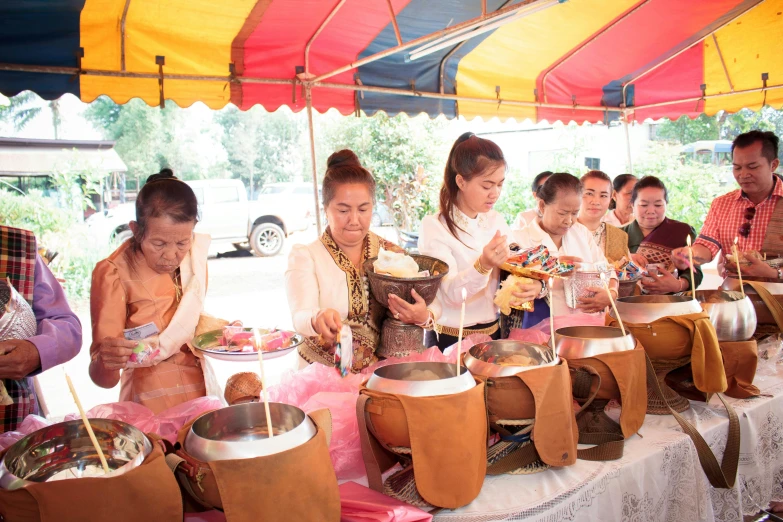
x,y
750,215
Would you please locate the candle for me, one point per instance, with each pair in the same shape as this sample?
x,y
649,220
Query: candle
x,y
739,270
86,423
690,259
611,300
263,385
551,283
461,326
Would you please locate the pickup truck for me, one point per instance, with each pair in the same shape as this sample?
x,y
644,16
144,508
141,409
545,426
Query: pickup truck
x,y
225,214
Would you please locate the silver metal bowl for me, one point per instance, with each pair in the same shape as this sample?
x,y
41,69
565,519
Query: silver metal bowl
x,y
481,359
64,451
579,342
392,379
427,287
648,308
774,286
240,432
734,320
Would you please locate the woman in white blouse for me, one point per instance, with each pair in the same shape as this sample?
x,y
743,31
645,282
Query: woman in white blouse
x,y
560,199
325,282
470,237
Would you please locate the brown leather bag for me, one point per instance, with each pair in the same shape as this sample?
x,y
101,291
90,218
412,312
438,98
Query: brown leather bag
x,y
542,394
444,436
623,377
299,484
739,360
148,492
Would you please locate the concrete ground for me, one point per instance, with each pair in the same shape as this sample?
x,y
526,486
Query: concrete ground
x,y
249,289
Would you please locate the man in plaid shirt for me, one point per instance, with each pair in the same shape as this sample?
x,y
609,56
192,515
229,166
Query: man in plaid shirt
x,y
58,336
745,213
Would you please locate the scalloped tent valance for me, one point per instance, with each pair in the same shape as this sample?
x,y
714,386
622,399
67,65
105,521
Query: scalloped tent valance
x,y
582,60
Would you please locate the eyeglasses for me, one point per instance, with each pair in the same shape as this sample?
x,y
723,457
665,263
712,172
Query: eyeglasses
x,y
744,229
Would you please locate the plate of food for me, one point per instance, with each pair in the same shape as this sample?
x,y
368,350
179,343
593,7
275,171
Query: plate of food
x,y
237,343
537,263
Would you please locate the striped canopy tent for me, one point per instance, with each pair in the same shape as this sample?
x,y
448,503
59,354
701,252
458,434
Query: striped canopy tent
x,y
581,60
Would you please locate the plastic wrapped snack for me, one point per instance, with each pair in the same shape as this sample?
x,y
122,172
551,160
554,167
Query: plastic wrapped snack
x,y
396,265
504,297
143,355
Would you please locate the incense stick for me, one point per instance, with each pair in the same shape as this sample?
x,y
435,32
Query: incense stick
x,y
461,326
86,422
690,259
739,270
611,300
263,384
551,283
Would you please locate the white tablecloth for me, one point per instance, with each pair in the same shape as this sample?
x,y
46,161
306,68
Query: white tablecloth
x,y
659,477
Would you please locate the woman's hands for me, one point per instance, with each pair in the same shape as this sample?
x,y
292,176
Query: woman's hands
x,y
598,302
639,260
662,282
327,324
495,252
113,352
416,313
526,292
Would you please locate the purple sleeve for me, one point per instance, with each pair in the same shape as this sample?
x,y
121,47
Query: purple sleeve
x,y
59,335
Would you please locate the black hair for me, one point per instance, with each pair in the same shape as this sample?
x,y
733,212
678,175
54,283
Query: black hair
x,y
649,182
558,183
470,156
539,179
163,195
617,185
597,174
769,143
343,167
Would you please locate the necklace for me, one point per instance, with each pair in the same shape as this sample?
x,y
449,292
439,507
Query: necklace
x,y
177,284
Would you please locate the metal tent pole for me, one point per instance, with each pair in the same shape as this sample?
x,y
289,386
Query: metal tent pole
x,y
627,142
309,100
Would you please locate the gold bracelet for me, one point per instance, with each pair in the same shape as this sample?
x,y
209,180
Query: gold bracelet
x,y
480,269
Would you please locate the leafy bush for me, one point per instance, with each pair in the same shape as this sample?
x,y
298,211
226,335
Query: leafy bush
x,y
59,231
692,185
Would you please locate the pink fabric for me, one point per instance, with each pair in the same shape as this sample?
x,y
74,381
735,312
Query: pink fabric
x,y
206,516
30,424
540,333
361,504
166,424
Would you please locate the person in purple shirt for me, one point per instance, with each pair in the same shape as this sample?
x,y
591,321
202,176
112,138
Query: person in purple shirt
x,y
58,336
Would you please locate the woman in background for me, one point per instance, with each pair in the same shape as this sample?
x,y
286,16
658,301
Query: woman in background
x,y
621,207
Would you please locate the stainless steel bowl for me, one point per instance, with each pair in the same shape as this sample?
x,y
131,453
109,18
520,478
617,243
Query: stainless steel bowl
x,y
579,342
734,320
774,286
480,359
648,308
240,432
427,287
392,379
64,451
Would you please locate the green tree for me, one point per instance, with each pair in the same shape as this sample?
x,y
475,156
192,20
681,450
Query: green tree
x,y
691,185
684,130
25,107
149,138
405,155
264,147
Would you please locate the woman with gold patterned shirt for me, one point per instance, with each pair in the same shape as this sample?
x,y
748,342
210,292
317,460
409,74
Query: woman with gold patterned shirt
x,y
325,282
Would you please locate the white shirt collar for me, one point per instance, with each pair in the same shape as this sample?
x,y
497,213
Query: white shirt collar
x,y
463,221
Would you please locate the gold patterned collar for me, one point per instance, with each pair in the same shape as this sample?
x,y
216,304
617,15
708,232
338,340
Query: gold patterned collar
x,y
463,221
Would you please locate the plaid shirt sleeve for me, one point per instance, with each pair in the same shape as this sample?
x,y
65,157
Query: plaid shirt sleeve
x,y
710,232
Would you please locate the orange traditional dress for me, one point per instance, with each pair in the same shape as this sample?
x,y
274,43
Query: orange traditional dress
x,y
126,293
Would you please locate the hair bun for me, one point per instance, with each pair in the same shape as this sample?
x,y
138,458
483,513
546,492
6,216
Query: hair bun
x,y
342,157
163,174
